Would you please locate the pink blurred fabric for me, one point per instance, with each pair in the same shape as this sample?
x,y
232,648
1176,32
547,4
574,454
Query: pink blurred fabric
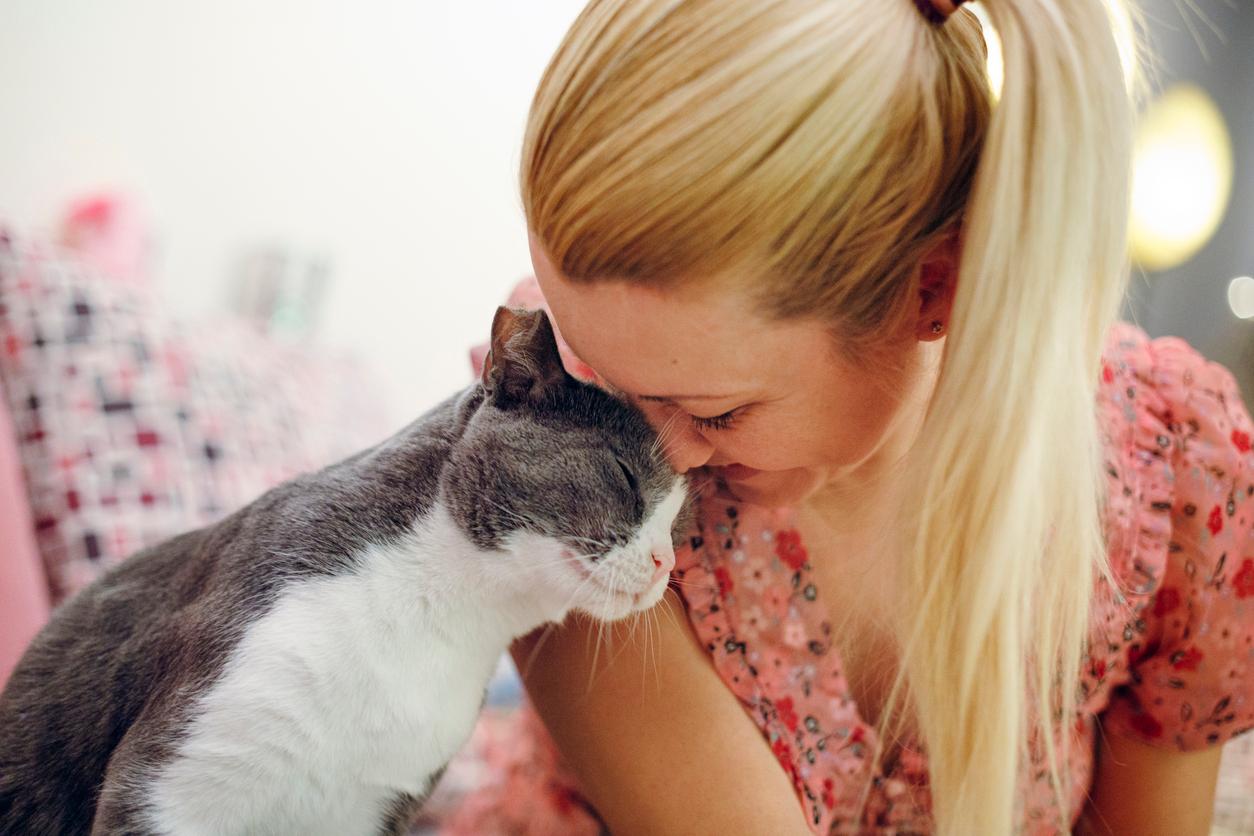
x,y
133,424
24,603
109,231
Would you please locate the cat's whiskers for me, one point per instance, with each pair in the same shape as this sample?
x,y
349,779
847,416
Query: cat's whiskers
x,y
524,522
550,627
596,645
670,616
653,622
608,584
535,651
658,613
669,429
581,589
530,524
600,547
696,489
660,442
683,584
611,589
643,624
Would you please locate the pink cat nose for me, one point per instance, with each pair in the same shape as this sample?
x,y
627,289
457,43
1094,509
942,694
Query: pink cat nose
x,y
663,563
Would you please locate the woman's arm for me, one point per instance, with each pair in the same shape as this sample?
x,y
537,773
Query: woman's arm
x,y
1141,790
659,744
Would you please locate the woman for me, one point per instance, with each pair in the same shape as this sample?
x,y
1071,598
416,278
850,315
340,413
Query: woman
x,y
873,314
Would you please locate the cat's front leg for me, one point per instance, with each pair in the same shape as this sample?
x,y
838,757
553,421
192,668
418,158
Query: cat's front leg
x,y
121,808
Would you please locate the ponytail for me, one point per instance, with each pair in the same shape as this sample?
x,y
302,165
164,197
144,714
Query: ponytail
x,y
1001,561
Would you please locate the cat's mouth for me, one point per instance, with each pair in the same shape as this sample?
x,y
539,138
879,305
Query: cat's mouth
x,y
640,597
614,604
594,586
586,575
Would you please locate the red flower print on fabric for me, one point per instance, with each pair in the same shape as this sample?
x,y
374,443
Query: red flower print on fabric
x,y
789,549
787,714
829,795
1167,600
1186,660
724,579
1147,725
1243,581
1215,522
1241,441
783,754
1108,373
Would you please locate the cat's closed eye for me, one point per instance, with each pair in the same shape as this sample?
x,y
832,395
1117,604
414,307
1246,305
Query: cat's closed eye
x,y
632,484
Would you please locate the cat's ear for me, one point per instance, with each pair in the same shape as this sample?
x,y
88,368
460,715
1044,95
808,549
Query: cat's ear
x,y
523,364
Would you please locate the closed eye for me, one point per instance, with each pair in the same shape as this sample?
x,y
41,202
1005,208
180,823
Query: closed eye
x,y
632,484
716,422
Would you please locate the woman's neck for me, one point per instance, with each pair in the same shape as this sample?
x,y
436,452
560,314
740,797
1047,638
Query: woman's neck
x,y
878,478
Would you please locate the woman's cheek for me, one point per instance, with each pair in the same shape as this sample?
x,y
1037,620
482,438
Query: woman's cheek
x,y
764,447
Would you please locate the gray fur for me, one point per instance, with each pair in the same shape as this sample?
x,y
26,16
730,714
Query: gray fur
x,y
105,688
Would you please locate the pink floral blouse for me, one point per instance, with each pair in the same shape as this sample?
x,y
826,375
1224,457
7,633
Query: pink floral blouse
x,y
1171,653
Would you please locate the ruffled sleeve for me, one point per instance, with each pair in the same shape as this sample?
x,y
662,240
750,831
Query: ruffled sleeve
x,y
1190,677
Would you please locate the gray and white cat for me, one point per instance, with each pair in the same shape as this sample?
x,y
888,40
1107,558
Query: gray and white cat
x,y
310,664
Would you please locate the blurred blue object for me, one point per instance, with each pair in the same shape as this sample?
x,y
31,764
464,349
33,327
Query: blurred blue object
x,y
505,687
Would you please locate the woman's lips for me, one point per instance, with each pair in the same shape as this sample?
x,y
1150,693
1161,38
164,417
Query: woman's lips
x,y
736,472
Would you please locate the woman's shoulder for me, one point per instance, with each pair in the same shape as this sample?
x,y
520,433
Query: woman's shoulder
x,y
1174,429
1166,367
1178,632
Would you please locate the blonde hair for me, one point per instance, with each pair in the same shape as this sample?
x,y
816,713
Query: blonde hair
x,y
824,148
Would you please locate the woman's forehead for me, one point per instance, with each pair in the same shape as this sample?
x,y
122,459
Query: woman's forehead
x,y
657,342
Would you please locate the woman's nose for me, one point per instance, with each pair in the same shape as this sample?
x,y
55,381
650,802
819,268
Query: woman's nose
x,y
687,450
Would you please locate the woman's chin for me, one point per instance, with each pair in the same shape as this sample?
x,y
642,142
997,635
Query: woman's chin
x,y
770,489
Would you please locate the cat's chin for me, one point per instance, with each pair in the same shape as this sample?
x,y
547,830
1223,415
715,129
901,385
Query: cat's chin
x,y
620,605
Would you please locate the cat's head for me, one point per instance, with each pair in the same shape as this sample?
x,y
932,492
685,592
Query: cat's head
x,y
564,481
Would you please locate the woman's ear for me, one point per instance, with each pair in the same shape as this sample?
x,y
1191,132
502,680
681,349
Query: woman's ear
x,y
938,281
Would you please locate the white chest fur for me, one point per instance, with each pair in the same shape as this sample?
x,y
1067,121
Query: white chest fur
x,y
348,692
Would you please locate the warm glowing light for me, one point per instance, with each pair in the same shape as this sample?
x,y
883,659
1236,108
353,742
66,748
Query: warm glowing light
x,y
1241,297
1182,177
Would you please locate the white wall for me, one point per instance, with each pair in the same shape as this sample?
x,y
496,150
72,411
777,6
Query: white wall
x,y
383,133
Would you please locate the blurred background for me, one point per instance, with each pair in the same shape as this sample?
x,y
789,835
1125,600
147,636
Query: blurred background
x,y
346,171
365,153
1193,199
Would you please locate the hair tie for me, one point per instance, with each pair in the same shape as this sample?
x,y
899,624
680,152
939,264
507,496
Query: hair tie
x,y
938,11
